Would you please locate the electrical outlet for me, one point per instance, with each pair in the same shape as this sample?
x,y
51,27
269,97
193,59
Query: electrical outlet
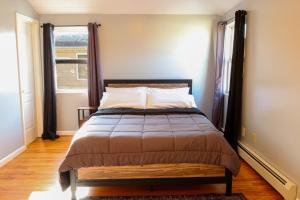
x,y
243,131
254,137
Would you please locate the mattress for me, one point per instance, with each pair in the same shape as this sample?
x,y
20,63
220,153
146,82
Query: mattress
x,y
122,137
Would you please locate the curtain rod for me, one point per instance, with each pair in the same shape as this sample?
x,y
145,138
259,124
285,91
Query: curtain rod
x,y
70,25
231,18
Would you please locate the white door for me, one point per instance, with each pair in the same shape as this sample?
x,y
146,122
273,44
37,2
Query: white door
x,y
25,53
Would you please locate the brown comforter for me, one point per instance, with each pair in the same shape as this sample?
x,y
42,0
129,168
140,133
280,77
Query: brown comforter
x,y
131,137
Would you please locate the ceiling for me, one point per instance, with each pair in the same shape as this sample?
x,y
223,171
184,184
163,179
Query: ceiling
x,y
204,7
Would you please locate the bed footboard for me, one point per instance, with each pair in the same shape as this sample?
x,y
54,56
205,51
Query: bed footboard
x,y
226,178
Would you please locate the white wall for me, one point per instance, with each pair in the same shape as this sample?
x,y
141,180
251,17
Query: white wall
x,y
272,82
10,119
148,46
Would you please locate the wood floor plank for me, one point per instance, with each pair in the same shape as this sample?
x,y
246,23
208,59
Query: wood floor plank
x,y
33,176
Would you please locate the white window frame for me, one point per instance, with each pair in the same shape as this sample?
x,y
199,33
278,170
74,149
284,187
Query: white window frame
x,y
70,91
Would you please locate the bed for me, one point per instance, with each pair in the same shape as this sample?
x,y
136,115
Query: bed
x,y
148,146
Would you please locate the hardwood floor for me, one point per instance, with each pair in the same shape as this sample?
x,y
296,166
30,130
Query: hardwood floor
x,y
33,175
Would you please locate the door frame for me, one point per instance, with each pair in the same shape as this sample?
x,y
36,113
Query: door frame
x,y
37,72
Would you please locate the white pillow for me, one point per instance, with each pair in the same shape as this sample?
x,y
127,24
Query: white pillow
x,y
174,100
166,91
123,100
128,89
192,102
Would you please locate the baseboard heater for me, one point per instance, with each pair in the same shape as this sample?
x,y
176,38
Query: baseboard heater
x,y
281,183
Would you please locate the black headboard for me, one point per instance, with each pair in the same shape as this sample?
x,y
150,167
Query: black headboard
x,y
165,83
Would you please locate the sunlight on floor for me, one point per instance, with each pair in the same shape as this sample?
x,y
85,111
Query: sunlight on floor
x,y
56,193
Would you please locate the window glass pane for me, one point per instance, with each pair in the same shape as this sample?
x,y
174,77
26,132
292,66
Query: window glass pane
x,y
67,78
71,36
71,43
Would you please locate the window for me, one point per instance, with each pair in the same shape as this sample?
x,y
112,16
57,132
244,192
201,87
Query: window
x,y
228,46
71,57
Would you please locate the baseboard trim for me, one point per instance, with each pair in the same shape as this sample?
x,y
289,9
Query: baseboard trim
x,y
12,155
62,133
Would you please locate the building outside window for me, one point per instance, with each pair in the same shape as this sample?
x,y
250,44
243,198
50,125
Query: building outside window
x,y
71,58
82,68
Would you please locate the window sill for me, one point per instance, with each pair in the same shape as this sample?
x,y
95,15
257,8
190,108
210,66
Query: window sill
x,y
71,91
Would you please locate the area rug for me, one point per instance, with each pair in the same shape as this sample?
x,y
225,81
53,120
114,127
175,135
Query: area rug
x,y
235,196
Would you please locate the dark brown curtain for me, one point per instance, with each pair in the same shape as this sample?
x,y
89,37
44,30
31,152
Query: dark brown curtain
x,y
94,71
234,110
49,129
218,101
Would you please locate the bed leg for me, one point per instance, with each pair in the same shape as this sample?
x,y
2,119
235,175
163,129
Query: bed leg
x,y
228,176
73,179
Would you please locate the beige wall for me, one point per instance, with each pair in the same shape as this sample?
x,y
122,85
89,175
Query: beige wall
x,y
150,46
10,118
67,105
271,104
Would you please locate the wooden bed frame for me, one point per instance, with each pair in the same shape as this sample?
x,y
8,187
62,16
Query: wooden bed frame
x,y
158,83
155,173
